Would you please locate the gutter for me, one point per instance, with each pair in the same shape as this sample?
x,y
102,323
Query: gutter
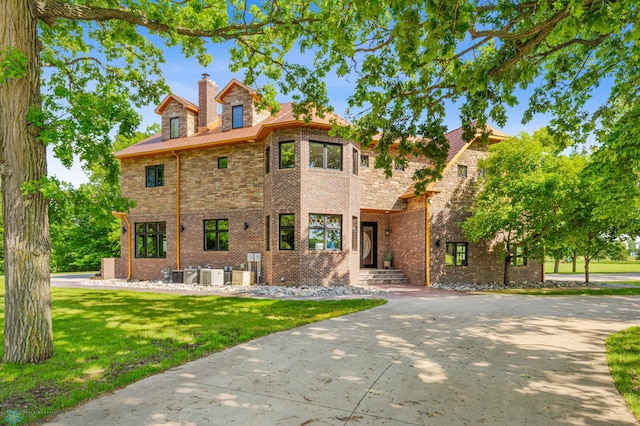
x,y
177,209
123,216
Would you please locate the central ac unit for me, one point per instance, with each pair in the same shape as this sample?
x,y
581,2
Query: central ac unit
x,y
211,277
191,276
177,276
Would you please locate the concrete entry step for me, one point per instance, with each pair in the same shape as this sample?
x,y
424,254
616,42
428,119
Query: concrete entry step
x,y
382,276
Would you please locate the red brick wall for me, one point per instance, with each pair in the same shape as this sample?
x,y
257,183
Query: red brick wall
x,y
408,244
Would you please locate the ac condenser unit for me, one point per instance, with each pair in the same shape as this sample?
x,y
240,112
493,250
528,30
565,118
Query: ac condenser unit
x,y
191,276
211,277
177,276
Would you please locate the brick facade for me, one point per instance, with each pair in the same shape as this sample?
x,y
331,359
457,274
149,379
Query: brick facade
x,y
249,188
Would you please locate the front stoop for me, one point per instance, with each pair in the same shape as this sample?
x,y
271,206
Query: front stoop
x,y
382,276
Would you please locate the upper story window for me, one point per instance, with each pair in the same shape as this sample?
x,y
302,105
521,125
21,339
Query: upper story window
x,y
216,235
456,254
267,160
355,161
287,155
364,161
324,155
151,239
287,231
236,117
155,176
222,162
174,128
462,171
325,232
518,258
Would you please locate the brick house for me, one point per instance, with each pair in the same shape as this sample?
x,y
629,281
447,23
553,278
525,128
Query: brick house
x,y
211,188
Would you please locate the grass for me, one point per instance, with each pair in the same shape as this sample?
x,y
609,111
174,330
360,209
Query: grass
x,y
623,357
105,340
595,267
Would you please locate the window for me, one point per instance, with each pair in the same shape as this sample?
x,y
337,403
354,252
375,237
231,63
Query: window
x,y
482,172
325,232
456,254
287,231
268,232
151,239
354,233
155,176
267,160
462,171
287,155
355,161
174,128
325,156
364,161
216,235
236,117
518,258
222,162
398,165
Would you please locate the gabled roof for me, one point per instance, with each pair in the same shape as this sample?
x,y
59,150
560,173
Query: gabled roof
x,y
215,137
457,145
173,97
233,83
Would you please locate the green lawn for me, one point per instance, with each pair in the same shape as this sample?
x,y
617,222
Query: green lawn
x,y
107,339
603,267
623,357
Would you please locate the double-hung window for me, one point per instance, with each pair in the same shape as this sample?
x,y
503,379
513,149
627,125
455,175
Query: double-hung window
x,y
216,235
287,231
154,176
151,239
456,254
325,232
324,155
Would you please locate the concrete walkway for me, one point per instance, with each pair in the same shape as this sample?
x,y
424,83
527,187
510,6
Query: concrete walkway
x,y
453,360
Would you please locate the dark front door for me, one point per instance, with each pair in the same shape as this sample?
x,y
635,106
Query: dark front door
x,y
369,245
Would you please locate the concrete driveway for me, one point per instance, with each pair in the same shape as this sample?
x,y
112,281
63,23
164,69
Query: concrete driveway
x,y
453,360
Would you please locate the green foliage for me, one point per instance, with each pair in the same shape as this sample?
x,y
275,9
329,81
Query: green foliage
x,y
107,339
13,64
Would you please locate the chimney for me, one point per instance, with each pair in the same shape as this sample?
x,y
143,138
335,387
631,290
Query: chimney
x,y
207,107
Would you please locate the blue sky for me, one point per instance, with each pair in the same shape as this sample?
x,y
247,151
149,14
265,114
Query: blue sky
x,y
182,76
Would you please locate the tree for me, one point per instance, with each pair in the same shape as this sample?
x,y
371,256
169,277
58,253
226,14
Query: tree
x,y
522,197
406,58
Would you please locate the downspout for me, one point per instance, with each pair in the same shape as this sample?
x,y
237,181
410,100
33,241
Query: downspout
x,y
427,239
177,209
122,215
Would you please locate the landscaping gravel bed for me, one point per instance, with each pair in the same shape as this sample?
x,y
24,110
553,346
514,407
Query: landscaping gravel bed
x,y
260,290
523,285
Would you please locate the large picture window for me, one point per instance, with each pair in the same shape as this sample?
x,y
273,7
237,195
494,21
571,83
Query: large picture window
x,y
154,176
287,231
151,239
456,254
287,155
325,232
216,235
324,155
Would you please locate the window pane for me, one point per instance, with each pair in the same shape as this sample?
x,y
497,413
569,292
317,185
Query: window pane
x,y
334,157
210,225
210,241
140,251
462,171
159,175
354,234
140,227
364,160
287,155
223,224
236,117
316,220
451,247
286,220
151,176
286,239
268,232
267,160
162,227
316,239
223,241
316,151
174,125
355,161
152,245
334,221
163,246
151,227
334,239
222,162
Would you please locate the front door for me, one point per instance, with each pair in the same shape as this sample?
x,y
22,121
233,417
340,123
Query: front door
x,y
369,245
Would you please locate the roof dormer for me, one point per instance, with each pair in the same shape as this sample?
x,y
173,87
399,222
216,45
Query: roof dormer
x,y
238,106
179,117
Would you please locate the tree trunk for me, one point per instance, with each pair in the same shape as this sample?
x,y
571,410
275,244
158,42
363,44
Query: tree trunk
x,y
507,270
586,269
28,335
556,266
574,261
